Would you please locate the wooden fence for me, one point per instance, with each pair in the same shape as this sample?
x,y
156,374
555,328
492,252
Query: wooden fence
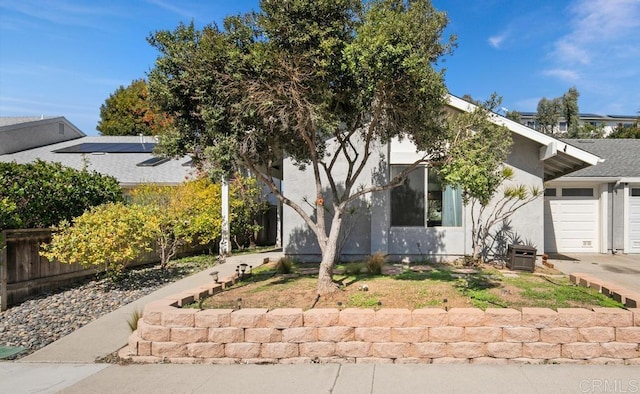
x,y
24,273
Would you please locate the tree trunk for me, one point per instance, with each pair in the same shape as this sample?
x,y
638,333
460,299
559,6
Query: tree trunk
x,y
329,257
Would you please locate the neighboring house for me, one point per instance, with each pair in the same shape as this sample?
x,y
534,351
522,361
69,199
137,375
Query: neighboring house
x,y
129,159
596,209
423,217
21,133
608,122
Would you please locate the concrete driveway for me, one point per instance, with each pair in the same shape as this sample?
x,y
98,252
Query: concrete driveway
x,y
621,269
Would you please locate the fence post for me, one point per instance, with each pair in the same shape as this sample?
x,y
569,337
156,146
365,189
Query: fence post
x,y
3,271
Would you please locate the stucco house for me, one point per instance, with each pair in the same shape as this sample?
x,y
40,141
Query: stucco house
x,y
596,209
425,218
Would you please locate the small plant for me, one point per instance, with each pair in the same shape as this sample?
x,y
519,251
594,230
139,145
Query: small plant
x,y
133,320
374,263
354,268
284,265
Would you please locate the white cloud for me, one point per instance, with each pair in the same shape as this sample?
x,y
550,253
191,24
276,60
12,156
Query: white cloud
x,y
599,52
563,74
172,8
496,41
596,26
60,12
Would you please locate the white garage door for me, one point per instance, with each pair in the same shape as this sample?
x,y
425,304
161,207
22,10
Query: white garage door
x,y
571,221
634,220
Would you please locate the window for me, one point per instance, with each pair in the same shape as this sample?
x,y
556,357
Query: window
x,y
563,126
423,201
549,192
577,192
635,192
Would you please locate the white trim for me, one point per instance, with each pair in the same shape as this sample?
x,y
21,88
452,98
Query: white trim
x,y
604,217
626,214
591,179
528,132
548,151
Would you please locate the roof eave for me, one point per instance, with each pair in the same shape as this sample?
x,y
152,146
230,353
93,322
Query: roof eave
x,y
559,157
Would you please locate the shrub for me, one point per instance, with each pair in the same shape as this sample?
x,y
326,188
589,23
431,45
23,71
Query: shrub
x,y
42,194
284,265
111,236
374,263
186,214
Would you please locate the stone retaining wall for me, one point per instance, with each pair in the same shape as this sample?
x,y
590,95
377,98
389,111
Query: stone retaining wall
x,y
168,333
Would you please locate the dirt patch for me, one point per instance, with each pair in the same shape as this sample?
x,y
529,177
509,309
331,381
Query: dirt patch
x,y
408,287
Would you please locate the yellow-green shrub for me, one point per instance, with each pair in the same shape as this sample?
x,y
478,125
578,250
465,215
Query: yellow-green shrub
x,y
110,235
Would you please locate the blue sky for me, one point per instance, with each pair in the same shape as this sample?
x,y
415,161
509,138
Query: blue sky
x,y
65,57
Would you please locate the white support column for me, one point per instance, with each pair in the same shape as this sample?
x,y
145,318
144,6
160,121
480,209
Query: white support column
x,y
225,237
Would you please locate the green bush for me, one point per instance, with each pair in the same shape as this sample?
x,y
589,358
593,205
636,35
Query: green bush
x,y
42,194
109,236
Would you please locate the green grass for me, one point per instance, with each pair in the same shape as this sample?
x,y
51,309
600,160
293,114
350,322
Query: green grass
x,y
364,300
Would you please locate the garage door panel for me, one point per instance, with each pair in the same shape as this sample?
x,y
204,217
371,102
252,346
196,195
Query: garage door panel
x,y
571,224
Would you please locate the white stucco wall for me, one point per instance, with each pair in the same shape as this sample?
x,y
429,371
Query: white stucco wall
x,y
373,232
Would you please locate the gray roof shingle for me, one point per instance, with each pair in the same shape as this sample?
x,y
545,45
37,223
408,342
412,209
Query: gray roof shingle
x,y
622,157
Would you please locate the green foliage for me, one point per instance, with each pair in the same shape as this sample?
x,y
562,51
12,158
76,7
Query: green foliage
x,y
312,78
187,214
514,115
586,130
41,194
478,151
247,204
570,110
364,300
477,166
108,236
548,114
374,263
626,132
354,268
128,111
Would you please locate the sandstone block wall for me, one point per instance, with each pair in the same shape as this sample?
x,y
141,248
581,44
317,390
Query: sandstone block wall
x,y
168,333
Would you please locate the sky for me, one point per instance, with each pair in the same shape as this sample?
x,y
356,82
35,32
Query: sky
x,y
65,57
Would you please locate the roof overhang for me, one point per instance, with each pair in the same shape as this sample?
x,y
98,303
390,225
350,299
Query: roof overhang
x,y
597,179
559,158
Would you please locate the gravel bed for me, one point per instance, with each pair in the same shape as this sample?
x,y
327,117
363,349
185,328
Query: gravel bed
x,y
37,322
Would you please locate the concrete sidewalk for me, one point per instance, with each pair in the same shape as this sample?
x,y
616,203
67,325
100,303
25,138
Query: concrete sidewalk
x,y
68,366
20,378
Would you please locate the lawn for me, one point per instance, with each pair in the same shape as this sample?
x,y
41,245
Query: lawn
x,y
412,287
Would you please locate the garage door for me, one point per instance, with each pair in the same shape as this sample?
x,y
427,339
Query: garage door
x,y
634,220
571,221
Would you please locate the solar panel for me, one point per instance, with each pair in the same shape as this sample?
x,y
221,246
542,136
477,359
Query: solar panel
x,y
108,147
154,161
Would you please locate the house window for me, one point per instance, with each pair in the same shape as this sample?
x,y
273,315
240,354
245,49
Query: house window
x,y
577,192
423,201
635,192
563,126
549,192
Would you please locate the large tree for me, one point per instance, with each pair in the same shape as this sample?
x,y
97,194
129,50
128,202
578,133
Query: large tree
x,y
128,111
323,80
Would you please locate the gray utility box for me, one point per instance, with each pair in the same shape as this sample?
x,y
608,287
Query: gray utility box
x,y
521,257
